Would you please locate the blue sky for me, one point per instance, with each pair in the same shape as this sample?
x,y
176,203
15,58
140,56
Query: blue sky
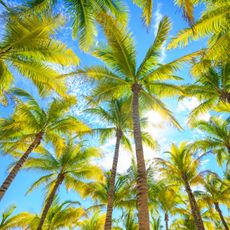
x,y
165,135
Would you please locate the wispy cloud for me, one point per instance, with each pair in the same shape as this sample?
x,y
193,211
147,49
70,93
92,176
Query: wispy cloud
x,y
188,104
158,16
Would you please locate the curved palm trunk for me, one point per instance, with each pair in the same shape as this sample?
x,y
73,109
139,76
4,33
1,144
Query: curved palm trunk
x,y
109,213
49,201
142,188
166,221
194,207
6,184
217,207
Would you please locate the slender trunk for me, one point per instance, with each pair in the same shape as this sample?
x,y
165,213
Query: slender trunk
x,y
142,188
109,213
228,147
217,207
49,200
166,221
6,184
193,204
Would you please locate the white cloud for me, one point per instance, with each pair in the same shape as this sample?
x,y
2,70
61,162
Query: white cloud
x,y
158,16
204,117
187,104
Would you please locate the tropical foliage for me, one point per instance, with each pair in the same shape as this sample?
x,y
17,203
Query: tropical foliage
x,y
29,48
126,140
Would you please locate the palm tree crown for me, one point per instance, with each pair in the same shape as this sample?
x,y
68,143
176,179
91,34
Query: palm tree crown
x,y
61,215
182,168
83,16
217,137
215,22
30,124
72,166
121,74
216,193
211,88
29,47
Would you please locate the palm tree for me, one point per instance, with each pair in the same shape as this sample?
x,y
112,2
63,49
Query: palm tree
x,y
70,166
60,215
182,168
29,47
215,22
118,119
121,77
9,221
99,190
217,138
93,221
30,123
119,122
166,197
211,88
83,16
129,218
186,221
216,192
156,223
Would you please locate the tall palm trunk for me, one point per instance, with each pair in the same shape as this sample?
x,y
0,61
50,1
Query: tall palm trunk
x,y
142,188
166,221
6,184
109,213
50,199
217,207
193,204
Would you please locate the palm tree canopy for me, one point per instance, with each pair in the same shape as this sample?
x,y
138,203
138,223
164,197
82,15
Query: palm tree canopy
x,y
216,190
73,162
29,47
116,116
165,196
215,22
60,215
29,118
182,162
98,191
211,88
217,137
121,73
93,221
83,16
10,221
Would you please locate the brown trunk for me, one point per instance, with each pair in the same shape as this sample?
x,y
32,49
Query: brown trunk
x,y
142,187
228,150
217,207
166,221
109,213
225,96
49,200
193,204
6,184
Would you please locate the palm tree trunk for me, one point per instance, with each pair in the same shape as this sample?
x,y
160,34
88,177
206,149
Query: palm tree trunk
x,y
193,204
142,188
109,213
49,200
6,184
217,207
166,221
